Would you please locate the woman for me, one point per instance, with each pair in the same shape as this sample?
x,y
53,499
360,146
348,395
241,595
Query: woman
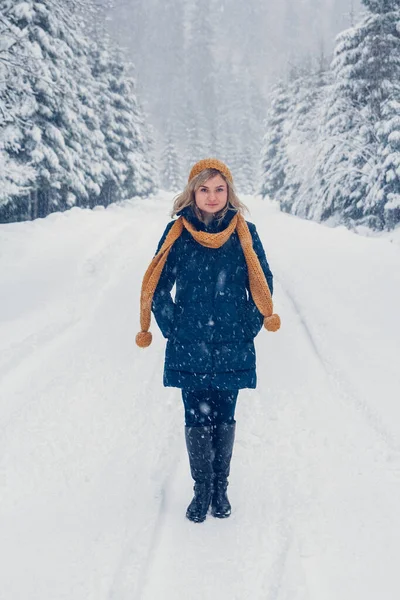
x,y
223,297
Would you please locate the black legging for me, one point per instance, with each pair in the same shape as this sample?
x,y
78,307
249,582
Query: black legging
x,y
209,407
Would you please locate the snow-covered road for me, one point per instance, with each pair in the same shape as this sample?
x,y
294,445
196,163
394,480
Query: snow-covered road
x,y
94,477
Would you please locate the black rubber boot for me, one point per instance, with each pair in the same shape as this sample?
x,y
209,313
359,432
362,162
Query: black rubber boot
x,y
199,447
223,439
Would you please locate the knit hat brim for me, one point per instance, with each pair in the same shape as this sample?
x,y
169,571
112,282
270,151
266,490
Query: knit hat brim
x,y
210,163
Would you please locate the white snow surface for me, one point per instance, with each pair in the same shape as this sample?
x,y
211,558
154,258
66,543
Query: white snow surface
x,y
94,475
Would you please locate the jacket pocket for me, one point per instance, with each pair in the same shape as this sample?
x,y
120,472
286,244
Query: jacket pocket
x,y
253,320
164,315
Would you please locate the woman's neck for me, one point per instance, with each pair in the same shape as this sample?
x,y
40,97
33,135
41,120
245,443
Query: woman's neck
x,y
207,218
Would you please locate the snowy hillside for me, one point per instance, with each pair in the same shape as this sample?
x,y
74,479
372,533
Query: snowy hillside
x,y
94,475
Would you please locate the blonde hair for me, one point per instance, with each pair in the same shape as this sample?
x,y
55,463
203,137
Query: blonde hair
x,y
187,197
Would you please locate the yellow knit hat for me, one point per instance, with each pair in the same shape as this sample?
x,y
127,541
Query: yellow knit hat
x,y
210,163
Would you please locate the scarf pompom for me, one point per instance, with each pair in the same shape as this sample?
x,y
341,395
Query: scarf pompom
x,y
143,339
272,323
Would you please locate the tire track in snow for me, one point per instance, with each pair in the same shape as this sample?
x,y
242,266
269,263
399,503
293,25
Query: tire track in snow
x,y
158,532
276,581
341,384
304,324
286,571
40,340
39,347
130,578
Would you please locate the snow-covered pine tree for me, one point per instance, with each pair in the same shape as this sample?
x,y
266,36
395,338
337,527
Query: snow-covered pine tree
x,y
292,134
230,112
116,87
82,132
302,130
194,144
388,131
381,6
142,178
15,99
55,138
171,177
354,142
273,157
288,193
13,85
240,114
157,32
381,58
254,106
246,170
122,125
224,132
16,182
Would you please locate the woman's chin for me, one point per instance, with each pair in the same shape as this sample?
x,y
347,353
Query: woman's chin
x,y
211,210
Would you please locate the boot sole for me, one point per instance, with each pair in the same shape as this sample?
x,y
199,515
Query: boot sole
x,y
195,519
220,515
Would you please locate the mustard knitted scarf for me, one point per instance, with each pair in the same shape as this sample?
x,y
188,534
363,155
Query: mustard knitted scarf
x,y
258,284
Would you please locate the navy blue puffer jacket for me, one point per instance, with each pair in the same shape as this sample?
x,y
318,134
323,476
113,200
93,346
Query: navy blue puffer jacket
x,y
212,322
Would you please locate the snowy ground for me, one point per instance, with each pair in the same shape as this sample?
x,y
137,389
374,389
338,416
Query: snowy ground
x,y
94,476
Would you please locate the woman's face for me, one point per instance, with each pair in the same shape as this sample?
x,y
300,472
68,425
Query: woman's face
x,y
212,196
